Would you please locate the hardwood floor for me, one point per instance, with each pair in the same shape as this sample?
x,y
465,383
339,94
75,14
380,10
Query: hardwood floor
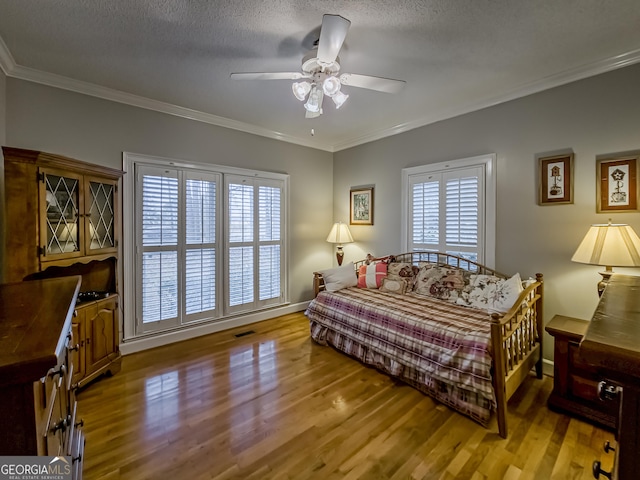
x,y
272,404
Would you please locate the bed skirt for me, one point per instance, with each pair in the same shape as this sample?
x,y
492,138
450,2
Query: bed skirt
x,y
469,403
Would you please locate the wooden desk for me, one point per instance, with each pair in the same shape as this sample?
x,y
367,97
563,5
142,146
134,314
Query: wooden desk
x,y
612,345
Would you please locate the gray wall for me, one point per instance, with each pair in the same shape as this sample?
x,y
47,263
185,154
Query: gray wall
x,y
98,131
591,117
596,116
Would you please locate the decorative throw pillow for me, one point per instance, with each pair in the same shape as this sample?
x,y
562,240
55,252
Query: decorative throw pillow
x,y
402,271
390,285
341,277
371,276
444,283
491,293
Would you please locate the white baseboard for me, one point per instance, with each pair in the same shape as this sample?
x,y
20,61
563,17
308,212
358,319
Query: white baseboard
x,y
145,343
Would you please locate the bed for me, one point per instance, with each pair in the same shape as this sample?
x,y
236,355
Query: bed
x,y
443,341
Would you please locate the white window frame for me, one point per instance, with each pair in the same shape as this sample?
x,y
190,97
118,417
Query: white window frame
x,y
487,238
128,254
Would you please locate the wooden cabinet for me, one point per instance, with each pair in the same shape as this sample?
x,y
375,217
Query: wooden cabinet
x,y
611,345
58,211
77,215
62,218
36,396
96,351
575,382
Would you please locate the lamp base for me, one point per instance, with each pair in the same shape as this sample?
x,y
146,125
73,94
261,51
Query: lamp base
x,y
339,256
602,284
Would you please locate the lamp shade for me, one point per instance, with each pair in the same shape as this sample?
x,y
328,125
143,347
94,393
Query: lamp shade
x,y
611,245
340,234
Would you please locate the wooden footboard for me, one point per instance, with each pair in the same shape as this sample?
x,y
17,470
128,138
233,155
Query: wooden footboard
x,y
516,339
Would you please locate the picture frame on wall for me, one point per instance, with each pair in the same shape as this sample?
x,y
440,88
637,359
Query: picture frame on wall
x,y
361,206
555,180
617,184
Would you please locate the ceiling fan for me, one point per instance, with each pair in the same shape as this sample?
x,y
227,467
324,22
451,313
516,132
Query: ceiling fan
x,y
321,71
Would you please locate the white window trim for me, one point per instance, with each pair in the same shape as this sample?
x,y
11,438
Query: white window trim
x,y
127,253
487,161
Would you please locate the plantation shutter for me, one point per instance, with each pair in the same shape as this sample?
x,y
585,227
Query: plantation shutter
x,y
241,245
255,243
446,212
461,210
159,245
201,218
177,247
208,244
269,217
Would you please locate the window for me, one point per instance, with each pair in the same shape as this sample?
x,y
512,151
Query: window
x,y
450,207
208,244
255,243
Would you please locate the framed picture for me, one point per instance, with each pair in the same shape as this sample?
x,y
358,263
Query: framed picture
x,y
555,184
617,184
361,206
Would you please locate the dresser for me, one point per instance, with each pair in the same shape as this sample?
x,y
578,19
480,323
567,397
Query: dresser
x,y
37,398
611,345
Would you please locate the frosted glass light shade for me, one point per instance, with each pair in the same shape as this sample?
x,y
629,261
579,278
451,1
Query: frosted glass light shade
x,y
331,86
300,90
340,234
339,98
314,103
612,245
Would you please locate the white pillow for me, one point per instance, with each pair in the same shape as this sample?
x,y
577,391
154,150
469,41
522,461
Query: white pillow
x,y
491,293
340,277
507,294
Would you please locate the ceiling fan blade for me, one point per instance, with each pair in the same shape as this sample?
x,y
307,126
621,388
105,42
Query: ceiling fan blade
x,y
268,76
387,85
332,34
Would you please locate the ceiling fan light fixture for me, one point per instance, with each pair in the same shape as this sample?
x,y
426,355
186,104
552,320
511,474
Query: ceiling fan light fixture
x,y
301,89
314,103
339,99
331,86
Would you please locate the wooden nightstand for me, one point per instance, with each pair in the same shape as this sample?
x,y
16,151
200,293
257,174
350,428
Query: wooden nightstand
x,y
575,383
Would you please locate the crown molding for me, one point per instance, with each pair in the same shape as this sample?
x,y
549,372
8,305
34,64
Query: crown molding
x,y
11,69
546,83
7,63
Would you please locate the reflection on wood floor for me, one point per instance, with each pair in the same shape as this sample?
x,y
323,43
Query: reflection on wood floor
x,y
272,404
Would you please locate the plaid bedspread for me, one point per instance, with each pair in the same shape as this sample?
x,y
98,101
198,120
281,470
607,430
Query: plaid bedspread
x,y
439,347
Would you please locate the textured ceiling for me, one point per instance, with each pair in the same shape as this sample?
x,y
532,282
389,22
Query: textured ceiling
x,y
176,56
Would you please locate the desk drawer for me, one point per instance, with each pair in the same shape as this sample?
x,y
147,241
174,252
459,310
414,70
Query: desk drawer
x,y
576,360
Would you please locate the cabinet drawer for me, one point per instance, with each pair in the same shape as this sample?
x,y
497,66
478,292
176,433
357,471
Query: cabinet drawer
x,y
584,388
51,433
77,454
576,361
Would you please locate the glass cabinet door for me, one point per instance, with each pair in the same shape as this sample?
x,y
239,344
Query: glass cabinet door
x,y
60,204
100,216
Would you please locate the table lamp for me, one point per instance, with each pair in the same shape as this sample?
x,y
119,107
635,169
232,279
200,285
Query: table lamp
x,y
339,234
611,245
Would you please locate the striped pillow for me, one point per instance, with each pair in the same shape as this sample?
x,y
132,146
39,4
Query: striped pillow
x,y
370,276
